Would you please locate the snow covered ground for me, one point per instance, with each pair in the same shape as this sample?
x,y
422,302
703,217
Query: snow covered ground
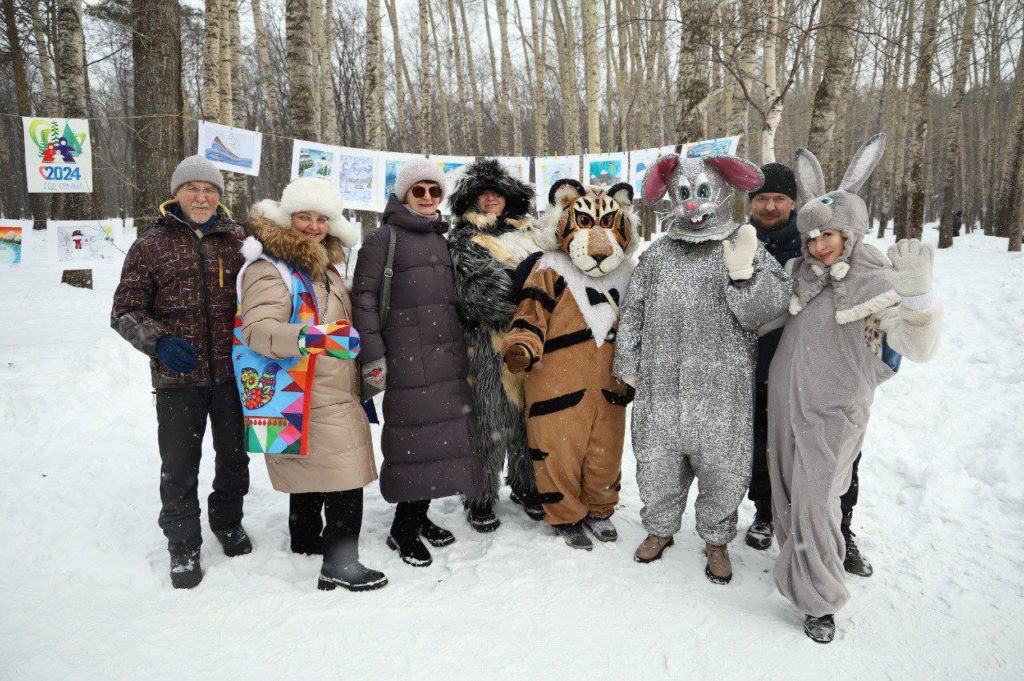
x,y
84,591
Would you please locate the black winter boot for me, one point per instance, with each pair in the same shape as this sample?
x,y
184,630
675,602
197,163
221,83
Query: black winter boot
x,y
760,533
342,568
574,536
234,541
411,549
436,535
854,562
602,528
530,505
481,517
185,570
820,629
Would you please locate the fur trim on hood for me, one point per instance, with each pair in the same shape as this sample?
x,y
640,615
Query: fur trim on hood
x,y
288,245
311,193
489,173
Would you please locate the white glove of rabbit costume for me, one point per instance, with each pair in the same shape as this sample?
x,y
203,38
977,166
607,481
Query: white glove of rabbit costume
x,y
911,272
739,259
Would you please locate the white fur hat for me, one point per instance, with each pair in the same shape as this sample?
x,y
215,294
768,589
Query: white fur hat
x,y
311,193
419,170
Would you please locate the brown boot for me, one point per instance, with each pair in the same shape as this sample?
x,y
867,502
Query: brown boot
x,y
719,567
651,548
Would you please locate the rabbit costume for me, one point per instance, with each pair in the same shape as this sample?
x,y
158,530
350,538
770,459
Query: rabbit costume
x,y
688,339
842,318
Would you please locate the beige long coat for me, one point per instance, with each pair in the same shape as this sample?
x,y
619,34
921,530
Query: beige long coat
x,y
340,455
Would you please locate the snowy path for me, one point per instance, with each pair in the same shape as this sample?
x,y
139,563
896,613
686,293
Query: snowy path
x,y
83,568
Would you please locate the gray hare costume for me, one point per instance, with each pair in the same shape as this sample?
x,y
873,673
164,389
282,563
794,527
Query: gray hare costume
x,y
822,380
688,340
485,250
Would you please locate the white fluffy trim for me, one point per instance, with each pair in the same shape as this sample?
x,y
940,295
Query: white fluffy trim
x,y
794,305
868,307
251,248
602,317
839,270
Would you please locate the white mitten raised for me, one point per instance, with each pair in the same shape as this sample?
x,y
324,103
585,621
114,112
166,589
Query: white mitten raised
x,y
911,272
739,259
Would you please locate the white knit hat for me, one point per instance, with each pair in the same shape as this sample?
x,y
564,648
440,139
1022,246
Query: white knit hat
x,y
419,170
316,194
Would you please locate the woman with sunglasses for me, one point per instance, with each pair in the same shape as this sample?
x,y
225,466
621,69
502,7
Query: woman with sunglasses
x,y
419,356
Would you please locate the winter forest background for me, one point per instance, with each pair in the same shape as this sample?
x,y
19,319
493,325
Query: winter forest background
x,y
508,77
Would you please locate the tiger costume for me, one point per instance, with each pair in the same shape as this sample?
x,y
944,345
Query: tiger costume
x,y
564,327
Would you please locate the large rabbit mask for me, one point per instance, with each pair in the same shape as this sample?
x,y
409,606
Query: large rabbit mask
x,y
700,190
841,209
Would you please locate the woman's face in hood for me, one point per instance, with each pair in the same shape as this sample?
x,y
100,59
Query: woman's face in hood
x,y
491,202
827,246
310,224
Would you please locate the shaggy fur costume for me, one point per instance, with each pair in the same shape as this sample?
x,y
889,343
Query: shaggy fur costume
x,y
567,319
485,251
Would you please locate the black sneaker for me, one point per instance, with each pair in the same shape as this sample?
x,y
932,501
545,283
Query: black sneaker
x,y
854,562
436,535
482,518
574,536
602,528
185,570
411,549
354,577
820,629
760,532
234,541
530,505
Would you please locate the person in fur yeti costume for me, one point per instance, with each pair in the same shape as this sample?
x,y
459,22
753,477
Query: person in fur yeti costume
x,y
688,343
849,310
493,233
563,336
294,358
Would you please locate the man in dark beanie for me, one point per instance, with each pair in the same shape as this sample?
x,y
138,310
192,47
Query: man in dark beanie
x,y
773,214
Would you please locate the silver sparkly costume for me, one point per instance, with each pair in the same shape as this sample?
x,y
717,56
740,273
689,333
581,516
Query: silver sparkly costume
x,y
689,335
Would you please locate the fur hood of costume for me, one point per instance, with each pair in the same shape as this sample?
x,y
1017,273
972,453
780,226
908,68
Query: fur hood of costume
x,y
490,174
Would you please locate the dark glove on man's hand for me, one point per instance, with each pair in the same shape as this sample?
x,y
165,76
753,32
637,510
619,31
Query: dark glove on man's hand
x,y
177,355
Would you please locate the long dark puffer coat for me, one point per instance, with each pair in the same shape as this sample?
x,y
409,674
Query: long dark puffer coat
x,y
428,438
485,251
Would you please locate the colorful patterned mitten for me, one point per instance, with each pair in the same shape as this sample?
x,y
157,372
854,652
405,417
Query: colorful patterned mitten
x,y
337,339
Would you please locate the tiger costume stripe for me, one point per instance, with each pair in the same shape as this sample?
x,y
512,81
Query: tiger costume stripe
x,y
576,416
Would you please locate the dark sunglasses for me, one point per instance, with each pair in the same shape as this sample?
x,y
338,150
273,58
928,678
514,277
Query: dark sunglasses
x,y
418,192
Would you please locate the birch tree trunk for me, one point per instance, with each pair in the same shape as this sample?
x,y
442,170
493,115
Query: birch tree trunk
x,y
440,84
922,87
263,58
302,114
955,126
567,76
234,183
593,87
500,104
510,91
478,103
622,39
316,41
328,110
462,121
1013,169
833,56
540,115
45,66
400,68
226,105
424,120
692,86
211,60
773,102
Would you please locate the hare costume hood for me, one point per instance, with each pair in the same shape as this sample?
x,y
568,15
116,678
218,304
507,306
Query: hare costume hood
x,y
856,275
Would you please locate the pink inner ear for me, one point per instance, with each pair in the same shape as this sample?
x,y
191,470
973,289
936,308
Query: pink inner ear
x,y
656,182
741,174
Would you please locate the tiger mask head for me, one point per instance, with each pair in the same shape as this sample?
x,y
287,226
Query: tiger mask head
x,y
596,229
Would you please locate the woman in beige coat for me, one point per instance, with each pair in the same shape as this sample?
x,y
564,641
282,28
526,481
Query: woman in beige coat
x,y
294,328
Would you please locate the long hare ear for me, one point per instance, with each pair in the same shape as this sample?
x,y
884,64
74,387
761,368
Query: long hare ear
x,y
737,172
657,176
810,181
863,164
